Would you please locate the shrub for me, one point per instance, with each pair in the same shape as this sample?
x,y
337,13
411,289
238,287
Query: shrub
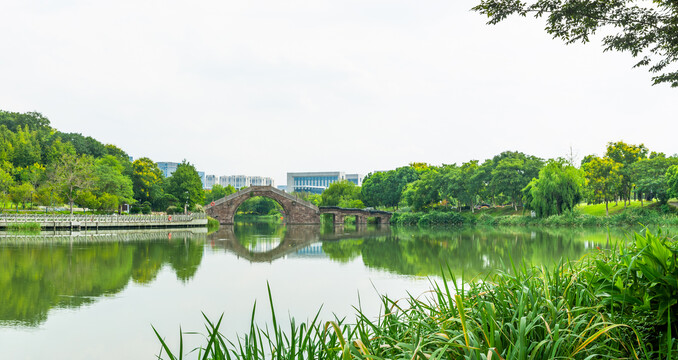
x,y
174,210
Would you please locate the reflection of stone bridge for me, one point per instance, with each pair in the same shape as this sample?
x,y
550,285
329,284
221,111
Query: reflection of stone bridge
x,y
295,238
295,210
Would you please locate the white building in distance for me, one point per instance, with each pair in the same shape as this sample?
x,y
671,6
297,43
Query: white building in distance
x,y
317,182
241,181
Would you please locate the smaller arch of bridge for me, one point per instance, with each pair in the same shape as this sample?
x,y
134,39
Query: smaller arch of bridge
x,y
295,210
361,215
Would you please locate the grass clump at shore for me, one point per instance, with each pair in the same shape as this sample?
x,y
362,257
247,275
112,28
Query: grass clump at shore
x,y
609,304
212,224
31,227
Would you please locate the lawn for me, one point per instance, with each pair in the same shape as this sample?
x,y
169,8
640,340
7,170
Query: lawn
x,y
599,209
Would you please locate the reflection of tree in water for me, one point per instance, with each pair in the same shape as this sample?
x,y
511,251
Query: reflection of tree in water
x,y
472,251
249,234
36,278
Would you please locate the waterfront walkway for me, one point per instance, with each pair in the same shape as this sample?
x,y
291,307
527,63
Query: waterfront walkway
x,y
94,222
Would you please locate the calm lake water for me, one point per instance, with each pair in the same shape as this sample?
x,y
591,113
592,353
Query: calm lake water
x,y
96,295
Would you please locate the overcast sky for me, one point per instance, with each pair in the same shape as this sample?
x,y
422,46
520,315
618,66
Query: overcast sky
x,y
269,87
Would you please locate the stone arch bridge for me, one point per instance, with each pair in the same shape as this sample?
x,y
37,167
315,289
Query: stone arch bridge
x,y
295,210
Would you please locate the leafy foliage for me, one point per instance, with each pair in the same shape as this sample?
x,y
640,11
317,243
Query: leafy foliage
x,y
185,185
646,30
342,193
558,189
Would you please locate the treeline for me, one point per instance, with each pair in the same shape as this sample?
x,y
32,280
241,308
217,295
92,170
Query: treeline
x,y
41,165
547,187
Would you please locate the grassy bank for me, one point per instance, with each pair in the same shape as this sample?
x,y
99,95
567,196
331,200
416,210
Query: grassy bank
x,y
610,304
581,216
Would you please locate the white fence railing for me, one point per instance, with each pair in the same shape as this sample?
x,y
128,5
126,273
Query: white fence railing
x,y
42,218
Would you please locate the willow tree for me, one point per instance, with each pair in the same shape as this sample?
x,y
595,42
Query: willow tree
x,y
558,188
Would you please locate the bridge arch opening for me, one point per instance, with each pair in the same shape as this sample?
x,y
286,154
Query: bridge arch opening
x,y
260,208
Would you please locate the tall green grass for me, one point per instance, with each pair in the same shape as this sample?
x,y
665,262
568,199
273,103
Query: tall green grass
x,y
24,227
618,304
212,224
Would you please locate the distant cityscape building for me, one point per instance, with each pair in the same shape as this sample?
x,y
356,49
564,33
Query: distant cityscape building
x,y
167,168
210,180
355,178
241,181
316,182
202,178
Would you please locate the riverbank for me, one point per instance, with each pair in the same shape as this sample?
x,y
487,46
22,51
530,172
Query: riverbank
x,y
647,215
619,303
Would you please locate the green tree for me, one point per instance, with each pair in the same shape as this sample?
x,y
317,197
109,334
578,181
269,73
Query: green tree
x,y
147,180
372,190
626,155
46,196
6,182
259,205
21,193
386,188
465,184
108,202
84,145
217,192
185,185
558,188
72,173
424,192
650,177
603,179
109,179
642,29
340,192
33,174
513,171
55,149
87,200
315,199
672,180
26,148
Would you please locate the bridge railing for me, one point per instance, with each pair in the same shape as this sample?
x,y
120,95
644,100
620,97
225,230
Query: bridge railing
x,y
42,218
263,188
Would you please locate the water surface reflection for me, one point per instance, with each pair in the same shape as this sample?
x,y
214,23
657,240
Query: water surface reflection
x,y
48,271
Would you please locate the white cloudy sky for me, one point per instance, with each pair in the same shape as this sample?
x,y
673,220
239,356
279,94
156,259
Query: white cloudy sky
x,y
267,87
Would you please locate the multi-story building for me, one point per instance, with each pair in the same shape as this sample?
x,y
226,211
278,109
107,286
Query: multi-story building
x,y
317,182
355,178
202,178
167,168
261,181
210,180
241,181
